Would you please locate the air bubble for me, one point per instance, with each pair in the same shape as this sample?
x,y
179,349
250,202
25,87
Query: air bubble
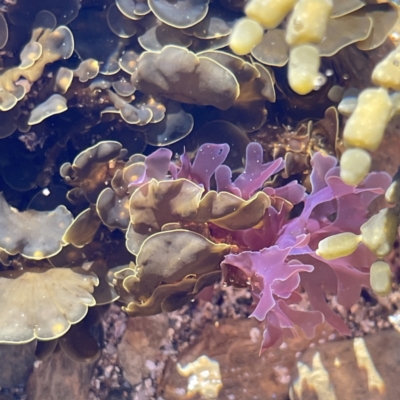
x,y
319,81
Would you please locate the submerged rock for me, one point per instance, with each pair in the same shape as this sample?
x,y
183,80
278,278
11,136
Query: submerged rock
x,y
357,369
16,364
58,377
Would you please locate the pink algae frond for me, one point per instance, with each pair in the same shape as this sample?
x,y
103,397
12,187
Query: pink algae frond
x,y
277,257
283,251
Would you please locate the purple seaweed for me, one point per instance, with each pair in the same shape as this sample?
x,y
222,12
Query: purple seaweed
x,y
278,256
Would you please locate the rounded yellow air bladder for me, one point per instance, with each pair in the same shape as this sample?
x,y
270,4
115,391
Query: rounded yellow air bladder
x,y
380,231
303,68
366,126
269,13
308,22
387,72
392,194
246,34
354,166
381,278
340,245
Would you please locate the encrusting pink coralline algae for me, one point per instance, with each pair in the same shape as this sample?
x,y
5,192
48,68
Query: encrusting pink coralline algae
x,y
278,257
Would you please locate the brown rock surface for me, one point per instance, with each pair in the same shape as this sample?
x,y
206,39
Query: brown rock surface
x,y
59,377
387,157
358,369
140,346
235,344
16,363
